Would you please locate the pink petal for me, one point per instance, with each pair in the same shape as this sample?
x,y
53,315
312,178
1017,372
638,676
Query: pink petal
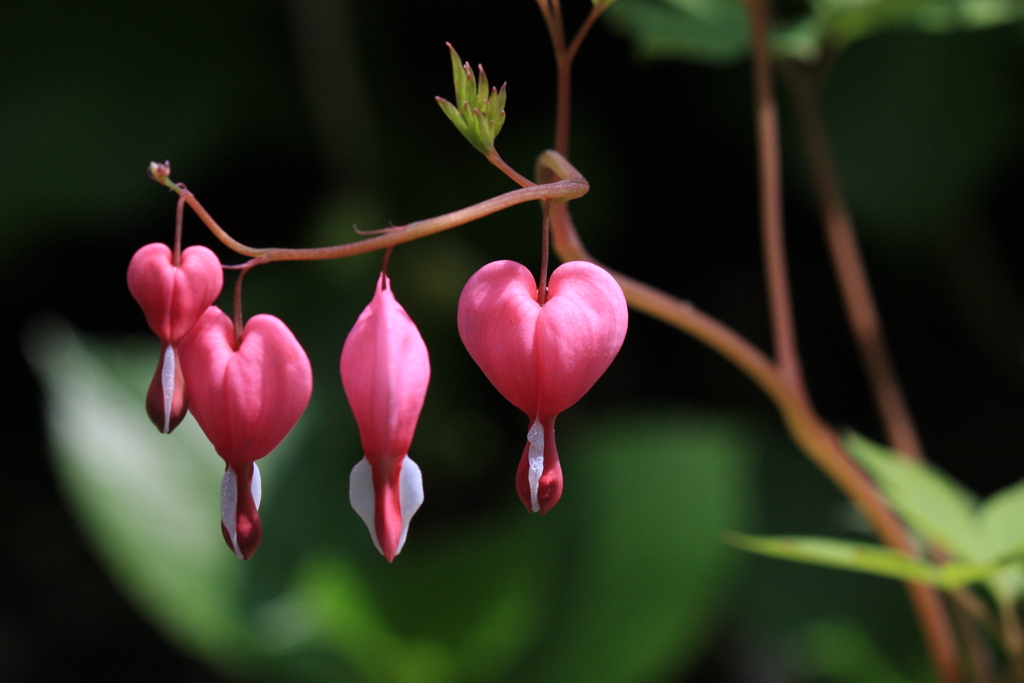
x,y
174,298
246,400
579,332
385,370
497,320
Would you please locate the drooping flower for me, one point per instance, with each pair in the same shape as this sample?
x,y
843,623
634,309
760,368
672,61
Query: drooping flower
x,y
172,297
385,370
542,358
246,397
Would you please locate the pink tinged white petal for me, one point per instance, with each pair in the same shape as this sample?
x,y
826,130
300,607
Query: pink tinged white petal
x,y
247,399
385,370
363,499
543,359
166,400
240,493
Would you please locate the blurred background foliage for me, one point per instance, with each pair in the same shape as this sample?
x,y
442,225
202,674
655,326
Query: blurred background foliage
x,y
294,120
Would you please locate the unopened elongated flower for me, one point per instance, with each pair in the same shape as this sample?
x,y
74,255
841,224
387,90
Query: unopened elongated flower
x,y
542,358
172,297
246,397
385,370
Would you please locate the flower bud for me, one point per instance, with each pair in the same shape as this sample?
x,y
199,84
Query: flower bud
x,y
385,370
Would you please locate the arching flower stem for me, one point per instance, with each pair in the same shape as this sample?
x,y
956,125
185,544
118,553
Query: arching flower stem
x,y
561,190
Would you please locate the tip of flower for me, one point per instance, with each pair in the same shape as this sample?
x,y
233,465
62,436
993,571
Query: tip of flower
x,y
166,400
539,479
240,493
386,503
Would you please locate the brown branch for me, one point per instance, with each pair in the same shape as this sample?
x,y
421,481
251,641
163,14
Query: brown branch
x,y
810,433
561,190
851,274
773,236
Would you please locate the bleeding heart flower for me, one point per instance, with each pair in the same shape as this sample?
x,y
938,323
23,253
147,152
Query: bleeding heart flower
x,y
385,370
246,397
542,358
172,297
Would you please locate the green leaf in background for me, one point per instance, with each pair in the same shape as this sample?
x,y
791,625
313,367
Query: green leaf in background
x,y
149,503
1002,521
647,495
867,558
958,15
707,31
716,32
843,652
931,502
844,22
622,582
1001,518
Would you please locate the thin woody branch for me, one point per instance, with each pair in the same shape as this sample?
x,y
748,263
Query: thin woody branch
x,y
561,190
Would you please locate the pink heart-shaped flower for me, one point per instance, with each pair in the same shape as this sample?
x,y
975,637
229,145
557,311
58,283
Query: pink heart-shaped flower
x,y
543,359
248,398
173,297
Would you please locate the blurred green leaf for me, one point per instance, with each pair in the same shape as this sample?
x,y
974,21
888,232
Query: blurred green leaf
x,y
647,495
921,125
149,503
958,15
593,588
709,31
716,31
842,652
931,502
843,22
867,558
1002,521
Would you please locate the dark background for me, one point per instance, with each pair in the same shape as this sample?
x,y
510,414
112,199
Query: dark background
x,y
277,114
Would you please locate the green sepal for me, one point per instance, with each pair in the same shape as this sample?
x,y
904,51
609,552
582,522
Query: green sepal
x,y
866,558
479,109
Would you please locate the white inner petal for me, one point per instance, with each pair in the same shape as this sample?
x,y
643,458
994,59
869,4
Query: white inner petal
x,y
361,496
536,438
257,486
229,508
410,495
167,384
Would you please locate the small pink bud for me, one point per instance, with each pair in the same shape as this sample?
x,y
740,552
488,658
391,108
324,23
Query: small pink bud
x,y
173,298
166,400
543,359
240,493
385,370
246,399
